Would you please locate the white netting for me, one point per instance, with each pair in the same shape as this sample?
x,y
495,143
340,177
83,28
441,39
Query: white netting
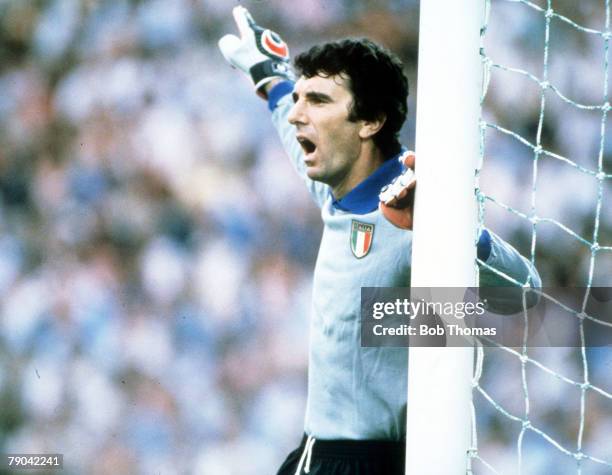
x,y
544,130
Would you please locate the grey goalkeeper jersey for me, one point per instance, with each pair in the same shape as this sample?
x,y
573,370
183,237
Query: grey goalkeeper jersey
x,y
355,392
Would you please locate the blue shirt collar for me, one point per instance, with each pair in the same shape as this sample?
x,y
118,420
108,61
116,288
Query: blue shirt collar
x,y
363,198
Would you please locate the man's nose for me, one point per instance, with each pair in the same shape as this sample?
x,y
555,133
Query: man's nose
x,y
296,114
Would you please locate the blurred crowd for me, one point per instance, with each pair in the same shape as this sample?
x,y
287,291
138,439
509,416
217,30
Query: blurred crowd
x,y
156,249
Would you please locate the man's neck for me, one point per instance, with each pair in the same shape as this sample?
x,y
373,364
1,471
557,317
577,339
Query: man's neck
x,y
368,161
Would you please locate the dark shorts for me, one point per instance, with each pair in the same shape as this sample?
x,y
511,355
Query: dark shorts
x,y
349,457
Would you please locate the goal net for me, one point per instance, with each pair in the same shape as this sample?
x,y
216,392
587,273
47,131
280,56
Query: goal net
x,y
544,183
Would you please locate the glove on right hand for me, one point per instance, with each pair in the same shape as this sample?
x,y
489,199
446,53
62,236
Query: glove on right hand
x,y
259,52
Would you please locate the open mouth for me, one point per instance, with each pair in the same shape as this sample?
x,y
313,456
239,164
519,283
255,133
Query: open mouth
x,y
307,145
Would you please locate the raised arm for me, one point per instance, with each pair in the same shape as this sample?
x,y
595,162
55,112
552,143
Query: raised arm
x,y
264,56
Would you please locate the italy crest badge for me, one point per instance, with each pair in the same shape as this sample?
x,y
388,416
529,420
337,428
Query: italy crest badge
x,y
361,238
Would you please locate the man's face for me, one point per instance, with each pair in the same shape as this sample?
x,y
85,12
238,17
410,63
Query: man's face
x,y
331,143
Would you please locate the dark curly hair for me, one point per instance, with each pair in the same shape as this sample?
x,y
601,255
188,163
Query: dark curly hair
x,y
376,79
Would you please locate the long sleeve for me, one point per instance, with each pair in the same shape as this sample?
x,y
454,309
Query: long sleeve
x,y
503,295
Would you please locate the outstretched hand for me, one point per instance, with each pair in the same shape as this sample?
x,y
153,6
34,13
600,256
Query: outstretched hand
x,y
397,198
258,52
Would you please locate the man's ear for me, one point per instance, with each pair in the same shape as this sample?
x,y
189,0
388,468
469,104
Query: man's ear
x,y
370,127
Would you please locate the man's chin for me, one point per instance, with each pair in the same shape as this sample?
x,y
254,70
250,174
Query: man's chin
x,y
313,173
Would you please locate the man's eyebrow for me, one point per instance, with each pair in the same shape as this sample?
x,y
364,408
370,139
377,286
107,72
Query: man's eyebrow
x,y
312,96
318,97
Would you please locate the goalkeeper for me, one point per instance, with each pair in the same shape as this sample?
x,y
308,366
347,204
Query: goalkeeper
x,y
339,123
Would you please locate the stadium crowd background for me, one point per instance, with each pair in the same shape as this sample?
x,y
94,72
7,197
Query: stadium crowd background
x,y
156,249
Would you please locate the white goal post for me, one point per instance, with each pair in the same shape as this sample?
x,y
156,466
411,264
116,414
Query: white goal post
x,y
443,250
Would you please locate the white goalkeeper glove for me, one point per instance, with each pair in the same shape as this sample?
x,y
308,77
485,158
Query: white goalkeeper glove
x,y
259,52
397,198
